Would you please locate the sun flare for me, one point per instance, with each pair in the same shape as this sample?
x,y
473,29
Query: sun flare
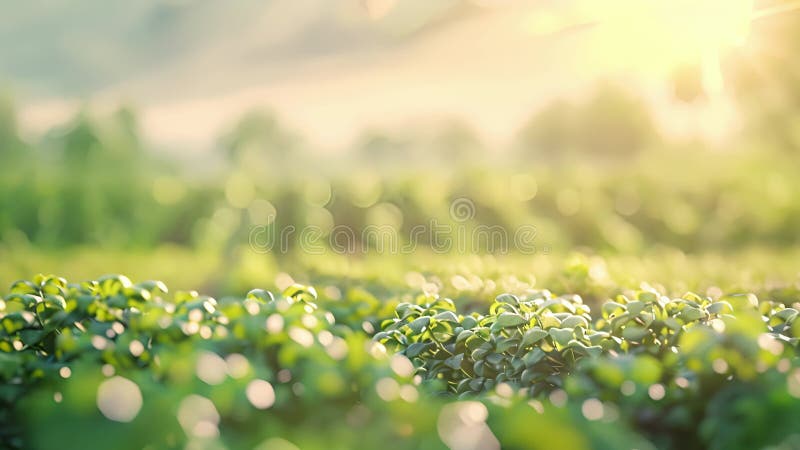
x,y
662,36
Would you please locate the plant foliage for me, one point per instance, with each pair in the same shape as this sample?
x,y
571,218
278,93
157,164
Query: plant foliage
x,y
114,364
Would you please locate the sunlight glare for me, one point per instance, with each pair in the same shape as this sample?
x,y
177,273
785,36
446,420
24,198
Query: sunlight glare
x,y
661,36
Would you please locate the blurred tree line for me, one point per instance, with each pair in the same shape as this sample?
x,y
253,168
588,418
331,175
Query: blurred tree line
x,y
765,75
89,181
590,173
611,124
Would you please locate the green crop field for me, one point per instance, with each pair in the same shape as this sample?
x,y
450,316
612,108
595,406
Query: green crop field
x,y
110,363
410,224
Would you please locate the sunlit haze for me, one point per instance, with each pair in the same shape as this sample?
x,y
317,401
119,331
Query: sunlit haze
x,y
395,63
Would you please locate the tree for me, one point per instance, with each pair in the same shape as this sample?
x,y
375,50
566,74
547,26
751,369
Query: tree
x,y
611,123
764,75
260,140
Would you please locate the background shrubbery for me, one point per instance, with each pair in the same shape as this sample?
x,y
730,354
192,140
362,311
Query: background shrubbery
x,y
93,191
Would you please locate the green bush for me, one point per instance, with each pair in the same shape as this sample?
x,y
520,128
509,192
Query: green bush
x,y
113,364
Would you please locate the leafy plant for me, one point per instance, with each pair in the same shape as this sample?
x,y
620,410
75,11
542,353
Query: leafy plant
x,y
112,363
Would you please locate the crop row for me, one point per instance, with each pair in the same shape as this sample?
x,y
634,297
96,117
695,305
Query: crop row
x,y
113,364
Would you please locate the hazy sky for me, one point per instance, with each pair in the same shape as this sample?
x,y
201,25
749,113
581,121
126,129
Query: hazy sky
x,y
332,68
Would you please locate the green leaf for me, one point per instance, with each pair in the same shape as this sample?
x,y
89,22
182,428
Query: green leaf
x,y
591,351
415,349
532,336
533,357
476,384
635,307
112,284
510,320
647,297
549,321
454,362
301,292
55,301
574,321
673,324
31,337
507,298
419,324
26,300
634,333
260,295
480,353
528,376
464,335
692,297
690,314
469,322
504,344
14,322
494,359
610,308
787,314
620,320
24,287
720,307
154,285
562,335
595,338
446,316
